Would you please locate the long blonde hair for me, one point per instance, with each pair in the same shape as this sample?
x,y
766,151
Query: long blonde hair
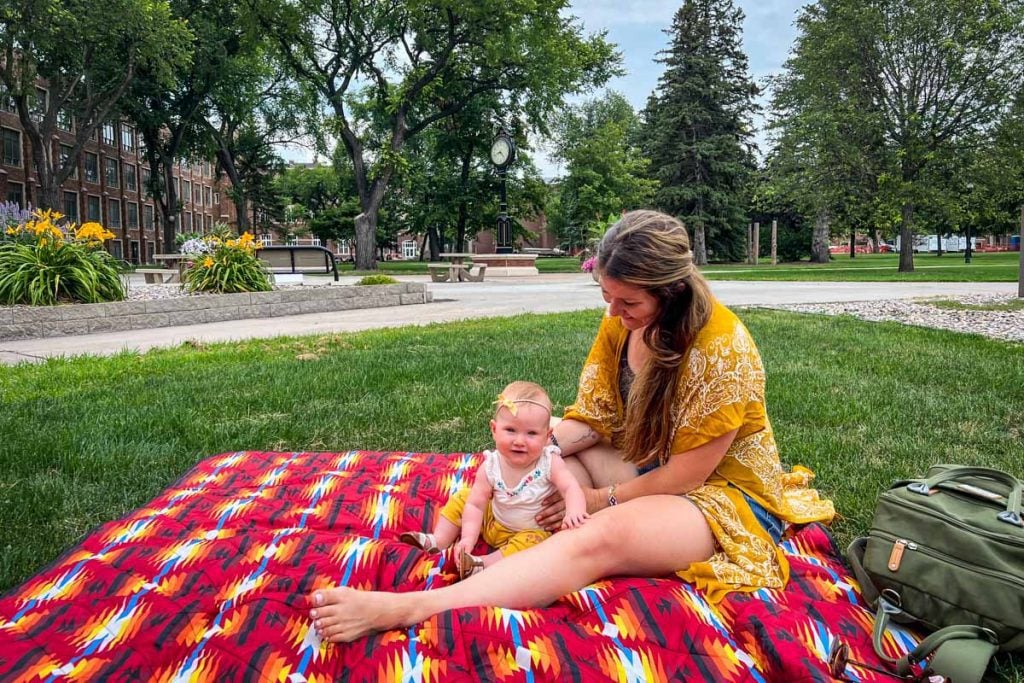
x,y
651,250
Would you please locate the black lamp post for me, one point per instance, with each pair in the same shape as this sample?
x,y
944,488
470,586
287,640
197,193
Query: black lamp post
x,y
967,251
503,153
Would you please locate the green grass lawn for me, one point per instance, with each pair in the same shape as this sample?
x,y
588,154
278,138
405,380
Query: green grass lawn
x,y
86,440
985,267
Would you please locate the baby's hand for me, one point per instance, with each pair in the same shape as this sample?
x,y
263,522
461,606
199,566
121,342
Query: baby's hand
x,y
463,546
571,521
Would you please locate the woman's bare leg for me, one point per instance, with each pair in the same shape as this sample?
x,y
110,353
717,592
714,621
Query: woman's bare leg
x,y
649,536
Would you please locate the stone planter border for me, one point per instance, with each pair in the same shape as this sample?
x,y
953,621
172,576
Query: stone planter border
x,y
33,322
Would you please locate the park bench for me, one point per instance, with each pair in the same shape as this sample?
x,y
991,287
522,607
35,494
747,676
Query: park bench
x,y
299,258
161,276
456,272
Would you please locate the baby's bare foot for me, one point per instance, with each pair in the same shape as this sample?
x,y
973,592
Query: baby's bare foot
x,y
341,615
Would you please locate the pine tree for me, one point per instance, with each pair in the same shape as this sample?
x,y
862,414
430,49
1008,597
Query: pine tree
x,y
698,127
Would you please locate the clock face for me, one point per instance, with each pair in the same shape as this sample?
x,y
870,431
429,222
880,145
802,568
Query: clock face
x,y
500,151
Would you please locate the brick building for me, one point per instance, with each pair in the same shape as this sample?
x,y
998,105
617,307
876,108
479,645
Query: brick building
x,y
108,185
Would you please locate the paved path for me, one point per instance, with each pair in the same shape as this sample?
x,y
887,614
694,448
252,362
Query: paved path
x,y
492,298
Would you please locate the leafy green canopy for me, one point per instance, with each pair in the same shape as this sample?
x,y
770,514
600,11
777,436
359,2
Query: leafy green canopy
x,y
401,62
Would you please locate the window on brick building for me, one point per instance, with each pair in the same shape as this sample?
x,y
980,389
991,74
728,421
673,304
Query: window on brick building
x,y
12,146
127,138
112,168
147,217
131,215
150,251
115,248
209,195
65,120
7,101
16,193
37,107
107,134
92,208
186,192
65,157
197,194
92,168
186,222
71,206
114,213
409,249
131,182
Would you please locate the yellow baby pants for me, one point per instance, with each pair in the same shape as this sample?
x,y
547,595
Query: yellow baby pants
x,y
494,534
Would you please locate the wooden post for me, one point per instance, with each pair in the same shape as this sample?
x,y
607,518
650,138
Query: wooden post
x,y
775,242
757,241
750,241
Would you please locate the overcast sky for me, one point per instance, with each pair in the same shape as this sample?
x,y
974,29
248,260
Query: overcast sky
x,y
637,27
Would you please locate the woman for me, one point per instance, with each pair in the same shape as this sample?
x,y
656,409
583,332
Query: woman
x,y
670,441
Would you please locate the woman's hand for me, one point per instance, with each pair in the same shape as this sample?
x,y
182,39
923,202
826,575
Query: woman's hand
x,y
550,516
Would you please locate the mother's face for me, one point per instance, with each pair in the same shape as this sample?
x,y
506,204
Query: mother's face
x,y
635,306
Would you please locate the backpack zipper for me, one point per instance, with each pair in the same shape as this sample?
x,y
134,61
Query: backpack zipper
x,y
908,545
1002,538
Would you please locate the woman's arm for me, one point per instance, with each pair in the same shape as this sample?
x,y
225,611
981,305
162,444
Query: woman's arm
x,y
682,473
573,436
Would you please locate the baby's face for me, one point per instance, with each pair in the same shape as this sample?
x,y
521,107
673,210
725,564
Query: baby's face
x,y
521,438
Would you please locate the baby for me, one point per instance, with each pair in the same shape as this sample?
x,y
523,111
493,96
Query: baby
x,y
510,486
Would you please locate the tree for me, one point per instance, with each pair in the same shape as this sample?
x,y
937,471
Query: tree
x,y
926,75
698,126
88,53
390,56
827,157
605,170
252,109
170,119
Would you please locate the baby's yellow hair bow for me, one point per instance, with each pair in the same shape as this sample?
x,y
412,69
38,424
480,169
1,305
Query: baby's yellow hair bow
x,y
507,403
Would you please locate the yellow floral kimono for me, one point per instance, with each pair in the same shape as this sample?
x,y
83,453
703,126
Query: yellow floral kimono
x,y
721,389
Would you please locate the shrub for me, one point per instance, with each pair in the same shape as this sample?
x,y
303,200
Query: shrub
x,y
224,265
43,263
378,280
588,265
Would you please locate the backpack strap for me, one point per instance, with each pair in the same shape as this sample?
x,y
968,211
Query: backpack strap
x,y
960,653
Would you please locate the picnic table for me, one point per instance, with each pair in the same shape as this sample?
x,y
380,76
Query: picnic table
x,y
458,268
173,270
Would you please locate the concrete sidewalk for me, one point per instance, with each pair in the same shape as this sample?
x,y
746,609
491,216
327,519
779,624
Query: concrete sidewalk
x,y
461,301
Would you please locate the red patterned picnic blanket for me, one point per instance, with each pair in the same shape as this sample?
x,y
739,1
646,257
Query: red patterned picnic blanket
x,y
208,583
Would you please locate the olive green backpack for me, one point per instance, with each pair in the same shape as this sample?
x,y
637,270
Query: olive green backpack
x,y
947,553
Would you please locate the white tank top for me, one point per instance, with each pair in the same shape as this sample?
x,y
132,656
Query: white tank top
x,y
516,507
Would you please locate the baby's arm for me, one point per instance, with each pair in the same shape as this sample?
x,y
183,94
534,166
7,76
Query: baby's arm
x,y
575,501
473,514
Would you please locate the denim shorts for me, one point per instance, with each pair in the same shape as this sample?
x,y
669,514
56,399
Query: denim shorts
x,y
772,524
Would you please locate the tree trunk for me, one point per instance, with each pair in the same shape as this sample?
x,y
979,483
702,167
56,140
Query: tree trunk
x,y
775,242
853,242
460,227
700,250
238,198
366,252
819,238
168,203
907,238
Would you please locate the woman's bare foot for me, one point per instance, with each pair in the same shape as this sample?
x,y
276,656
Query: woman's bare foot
x,y
341,615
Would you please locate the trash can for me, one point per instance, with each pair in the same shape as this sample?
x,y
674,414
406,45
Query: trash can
x,y
1015,243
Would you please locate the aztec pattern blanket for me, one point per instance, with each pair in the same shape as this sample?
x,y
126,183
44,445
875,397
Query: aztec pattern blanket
x,y
208,583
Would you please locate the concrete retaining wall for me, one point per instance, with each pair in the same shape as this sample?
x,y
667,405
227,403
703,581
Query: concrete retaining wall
x,y
31,322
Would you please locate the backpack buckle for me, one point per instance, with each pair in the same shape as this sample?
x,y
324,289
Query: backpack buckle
x,y
1010,517
890,602
919,487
